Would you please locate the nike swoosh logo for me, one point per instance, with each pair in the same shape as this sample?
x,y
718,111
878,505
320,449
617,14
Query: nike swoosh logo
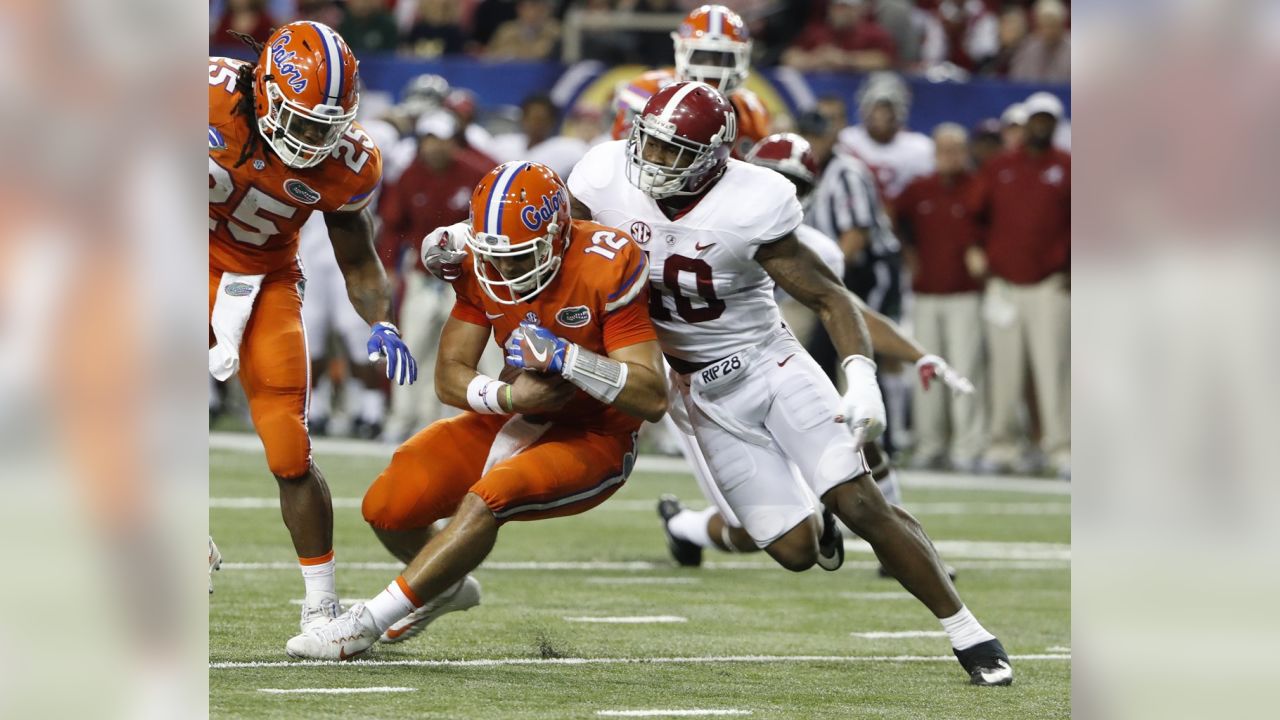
x,y
539,356
700,247
787,358
1004,673
342,654
493,317
397,633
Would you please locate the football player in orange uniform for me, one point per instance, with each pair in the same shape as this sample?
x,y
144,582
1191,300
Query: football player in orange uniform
x,y
568,302
713,46
282,143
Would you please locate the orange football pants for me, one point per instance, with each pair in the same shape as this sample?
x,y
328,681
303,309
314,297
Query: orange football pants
x,y
275,369
565,472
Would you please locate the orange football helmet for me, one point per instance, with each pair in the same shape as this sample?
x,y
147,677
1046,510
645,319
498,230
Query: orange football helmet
x,y
629,98
519,230
713,46
305,92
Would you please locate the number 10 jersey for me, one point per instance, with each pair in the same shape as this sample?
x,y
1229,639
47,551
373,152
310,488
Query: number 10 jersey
x,y
708,296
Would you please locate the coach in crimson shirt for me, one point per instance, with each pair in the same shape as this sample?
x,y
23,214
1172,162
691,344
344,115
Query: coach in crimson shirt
x,y
434,190
937,231
1024,197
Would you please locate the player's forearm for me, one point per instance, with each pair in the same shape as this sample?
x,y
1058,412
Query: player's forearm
x,y
842,317
452,379
889,340
645,394
369,291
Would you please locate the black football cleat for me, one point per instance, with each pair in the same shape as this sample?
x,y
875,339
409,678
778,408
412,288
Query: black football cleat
x,y
685,552
831,544
987,663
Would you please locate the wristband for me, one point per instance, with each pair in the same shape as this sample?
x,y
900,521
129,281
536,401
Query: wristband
x,y
859,364
599,376
482,395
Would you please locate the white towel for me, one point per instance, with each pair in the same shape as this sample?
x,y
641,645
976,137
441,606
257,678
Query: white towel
x,y
231,310
515,436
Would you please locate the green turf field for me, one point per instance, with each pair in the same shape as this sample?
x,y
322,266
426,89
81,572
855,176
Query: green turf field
x,y
754,640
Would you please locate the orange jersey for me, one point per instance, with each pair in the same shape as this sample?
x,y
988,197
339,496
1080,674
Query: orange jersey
x,y
599,300
256,209
753,120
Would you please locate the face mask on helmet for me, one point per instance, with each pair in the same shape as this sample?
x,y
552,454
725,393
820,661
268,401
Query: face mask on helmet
x,y
663,164
720,62
518,233
301,136
514,273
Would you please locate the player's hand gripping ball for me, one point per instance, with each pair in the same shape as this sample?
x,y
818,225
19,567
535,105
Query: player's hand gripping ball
x,y
533,347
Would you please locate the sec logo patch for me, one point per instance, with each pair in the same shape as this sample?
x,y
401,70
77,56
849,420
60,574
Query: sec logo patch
x,y
574,316
640,232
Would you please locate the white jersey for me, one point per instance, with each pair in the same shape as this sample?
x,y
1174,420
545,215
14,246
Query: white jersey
x,y
709,297
896,163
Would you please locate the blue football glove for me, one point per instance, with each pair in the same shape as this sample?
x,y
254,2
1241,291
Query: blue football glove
x,y
385,342
533,347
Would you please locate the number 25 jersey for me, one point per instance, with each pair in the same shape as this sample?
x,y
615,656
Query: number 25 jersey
x,y
257,208
708,296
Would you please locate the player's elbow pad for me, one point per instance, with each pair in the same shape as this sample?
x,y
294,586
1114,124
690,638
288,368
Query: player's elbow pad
x,y
600,377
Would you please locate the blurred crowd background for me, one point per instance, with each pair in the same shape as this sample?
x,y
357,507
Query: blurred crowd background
x,y
957,109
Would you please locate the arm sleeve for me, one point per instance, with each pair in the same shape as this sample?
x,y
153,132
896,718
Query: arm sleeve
x,y
629,324
777,211
466,312
467,305
592,175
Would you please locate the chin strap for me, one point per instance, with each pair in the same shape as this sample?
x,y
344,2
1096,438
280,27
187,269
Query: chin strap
x,y
600,377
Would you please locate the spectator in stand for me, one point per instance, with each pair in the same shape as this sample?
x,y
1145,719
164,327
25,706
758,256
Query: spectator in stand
x,y
965,33
244,16
937,231
322,11
436,30
533,35
538,141
985,142
1011,30
488,17
1045,55
850,39
434,190
1024,198
369,27
474,137
899,19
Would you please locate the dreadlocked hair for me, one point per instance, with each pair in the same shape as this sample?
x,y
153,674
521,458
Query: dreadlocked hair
x,y
245,106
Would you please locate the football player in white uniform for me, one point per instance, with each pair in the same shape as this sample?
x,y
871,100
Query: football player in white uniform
x,y
719,234
689,531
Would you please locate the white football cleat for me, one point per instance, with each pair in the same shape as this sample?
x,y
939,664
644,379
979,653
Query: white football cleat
x,y
464,597
318,609
345,637
215,562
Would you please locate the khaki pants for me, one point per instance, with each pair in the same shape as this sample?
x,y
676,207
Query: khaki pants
x,y
947,424
1029,322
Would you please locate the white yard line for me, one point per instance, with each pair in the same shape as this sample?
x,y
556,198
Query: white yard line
x,y
898,635
691,712
647,506
628,619
644,566
335,691
504,662
248,442
643,580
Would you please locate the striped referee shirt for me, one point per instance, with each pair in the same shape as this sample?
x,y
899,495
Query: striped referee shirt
x,y
846,198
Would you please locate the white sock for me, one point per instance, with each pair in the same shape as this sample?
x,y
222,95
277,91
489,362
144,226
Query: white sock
x,y
321,398
890,489
319,575
691,525
964,630
390,606
373,405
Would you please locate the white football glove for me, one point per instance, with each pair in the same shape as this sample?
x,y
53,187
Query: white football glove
x,y
862,401
443,250
932,367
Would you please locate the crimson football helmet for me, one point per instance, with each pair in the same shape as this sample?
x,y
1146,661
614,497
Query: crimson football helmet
x,y
713,45
680,142
519,230
305,92
790,155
